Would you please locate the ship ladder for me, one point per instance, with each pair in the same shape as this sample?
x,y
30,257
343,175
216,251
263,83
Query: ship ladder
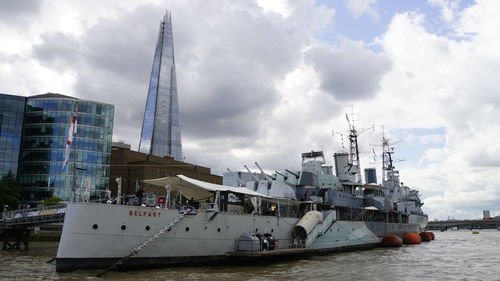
x,y
145,244
321,228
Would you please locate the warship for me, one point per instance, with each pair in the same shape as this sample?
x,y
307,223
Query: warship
x,y
286,214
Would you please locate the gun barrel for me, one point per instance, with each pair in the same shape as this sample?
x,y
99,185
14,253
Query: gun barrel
x,y
236,177
251,174
295,174
268,177
281,174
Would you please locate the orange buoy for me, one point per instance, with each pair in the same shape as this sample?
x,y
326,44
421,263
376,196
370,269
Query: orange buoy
x,y
426,236
412,238
392,240
433,237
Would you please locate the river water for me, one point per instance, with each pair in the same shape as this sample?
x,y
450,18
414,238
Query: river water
x,y
454,255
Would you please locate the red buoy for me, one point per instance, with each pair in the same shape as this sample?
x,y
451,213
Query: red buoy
x,y
392,240
412,238
426,236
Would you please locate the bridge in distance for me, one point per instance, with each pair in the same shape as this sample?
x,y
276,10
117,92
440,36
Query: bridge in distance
x,y
463,224
16,226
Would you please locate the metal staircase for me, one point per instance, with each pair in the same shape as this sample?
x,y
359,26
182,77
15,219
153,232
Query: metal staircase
x,y
320,228
138,249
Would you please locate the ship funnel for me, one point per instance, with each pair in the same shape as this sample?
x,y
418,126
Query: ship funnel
x,y
343,167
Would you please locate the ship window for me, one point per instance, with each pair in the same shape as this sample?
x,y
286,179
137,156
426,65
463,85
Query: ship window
x,y
218,229
95,226
272,230
148,228
187,228
123,227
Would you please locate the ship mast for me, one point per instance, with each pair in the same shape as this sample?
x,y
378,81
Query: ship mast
x,y
353,143
387,151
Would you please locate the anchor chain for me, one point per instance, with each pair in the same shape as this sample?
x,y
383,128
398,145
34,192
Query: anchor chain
x,y
145,244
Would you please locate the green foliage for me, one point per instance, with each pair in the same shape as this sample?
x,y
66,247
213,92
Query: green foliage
x,y
50,201
9,192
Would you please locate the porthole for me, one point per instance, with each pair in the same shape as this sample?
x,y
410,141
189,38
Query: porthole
x,y
95,226
148,228
187,228
218,229
272,230
123,227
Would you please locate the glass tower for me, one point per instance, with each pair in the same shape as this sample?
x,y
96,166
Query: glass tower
x,y
11,127
46,123
161,131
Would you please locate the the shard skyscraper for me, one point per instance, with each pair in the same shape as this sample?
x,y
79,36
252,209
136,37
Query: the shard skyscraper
x,y
161,131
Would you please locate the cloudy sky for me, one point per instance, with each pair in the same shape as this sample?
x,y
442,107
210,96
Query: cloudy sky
x,y
266,80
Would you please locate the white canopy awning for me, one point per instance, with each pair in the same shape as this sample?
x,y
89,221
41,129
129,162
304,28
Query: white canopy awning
x,y
197,189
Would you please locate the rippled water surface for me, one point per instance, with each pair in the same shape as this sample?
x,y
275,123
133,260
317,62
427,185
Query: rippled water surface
x,y
454,255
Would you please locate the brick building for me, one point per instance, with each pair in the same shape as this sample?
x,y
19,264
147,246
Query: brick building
x,y
134,167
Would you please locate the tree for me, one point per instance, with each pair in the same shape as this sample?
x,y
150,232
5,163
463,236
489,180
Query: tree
x,y
50,201
9,192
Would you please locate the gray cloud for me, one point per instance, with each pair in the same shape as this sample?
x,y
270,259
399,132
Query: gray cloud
x,y
349,73
19,11
112,61
240,54
228,62
57,50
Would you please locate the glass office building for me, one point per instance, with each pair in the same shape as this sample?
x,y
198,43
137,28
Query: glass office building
x,y
11,126
46,124
161,131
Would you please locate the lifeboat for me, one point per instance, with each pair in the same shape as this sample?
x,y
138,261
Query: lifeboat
x,y
426,236
411,238
392,240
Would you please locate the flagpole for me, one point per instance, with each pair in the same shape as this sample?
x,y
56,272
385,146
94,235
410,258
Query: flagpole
x,y
74,156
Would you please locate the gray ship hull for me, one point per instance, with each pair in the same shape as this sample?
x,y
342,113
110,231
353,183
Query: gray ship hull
x,y
96,235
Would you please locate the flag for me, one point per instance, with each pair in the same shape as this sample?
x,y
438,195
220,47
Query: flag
x,y
71,133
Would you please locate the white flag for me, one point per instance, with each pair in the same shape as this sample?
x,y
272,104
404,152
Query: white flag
x,y
71,133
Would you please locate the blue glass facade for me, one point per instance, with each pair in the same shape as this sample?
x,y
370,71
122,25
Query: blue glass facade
x,y
161,131
11,126
46,124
